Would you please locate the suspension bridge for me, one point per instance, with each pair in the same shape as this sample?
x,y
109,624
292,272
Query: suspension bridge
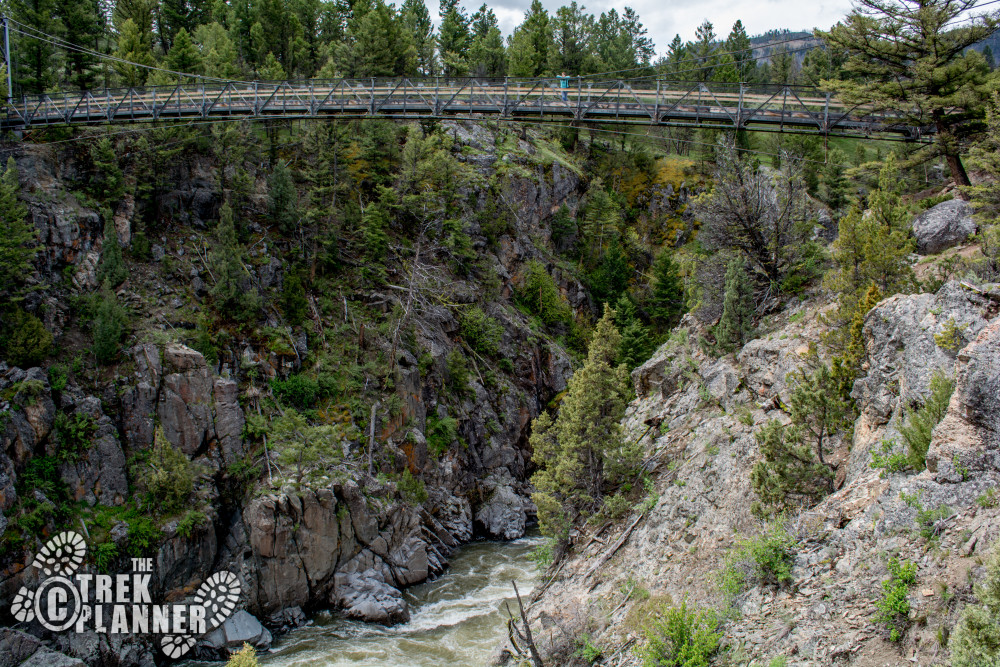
x,y
650,102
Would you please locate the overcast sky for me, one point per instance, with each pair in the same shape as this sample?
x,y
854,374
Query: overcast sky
x,y
664,19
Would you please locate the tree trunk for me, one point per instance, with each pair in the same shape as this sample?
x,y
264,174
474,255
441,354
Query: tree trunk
x,y
949,146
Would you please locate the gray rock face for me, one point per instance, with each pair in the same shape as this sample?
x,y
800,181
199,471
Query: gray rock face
x,y
241,628
943,226
505,512
969,434
18,649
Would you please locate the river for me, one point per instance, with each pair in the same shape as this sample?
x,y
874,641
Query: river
x,y
456,620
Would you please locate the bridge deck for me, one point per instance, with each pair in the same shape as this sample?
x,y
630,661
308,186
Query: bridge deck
x,y
783,108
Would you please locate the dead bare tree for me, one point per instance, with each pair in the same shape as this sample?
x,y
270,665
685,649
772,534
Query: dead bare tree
x,y
520,637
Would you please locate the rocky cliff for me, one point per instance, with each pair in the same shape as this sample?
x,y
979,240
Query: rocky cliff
x,y
695,417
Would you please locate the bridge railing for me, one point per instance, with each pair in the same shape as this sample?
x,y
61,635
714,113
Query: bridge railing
x,y
651,100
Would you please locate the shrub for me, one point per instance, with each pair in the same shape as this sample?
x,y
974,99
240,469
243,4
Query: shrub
x,y
888,460
412,489
588,651
190,521
299,390
921,422
293,299
26,341
762,560
542,555
73,435
105,555
143,536
111,270
167,474
976,639
680,637
441,433
894,606
58,378
245,657
952,336
482,332
789,472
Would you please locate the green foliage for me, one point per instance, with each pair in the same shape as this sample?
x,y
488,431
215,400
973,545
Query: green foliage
x,y
17,236
143,536
245,657
921,422
927,518
989,499
110,326
190,522
582,454
611,277
73,435
563,226
888,460
975,641
282,200
542,555
788,473
541,296
458,372
293,299
952,336
666,302
167,474
894,605
105,555
482,332
817,406
589,652
412,488
736,324
762,560
307,449
26,341
637,344
58,378
233,293
680,637
111,271
108,183
441,433
299,390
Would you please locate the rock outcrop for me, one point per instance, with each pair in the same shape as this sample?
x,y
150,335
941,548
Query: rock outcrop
x,y
943,226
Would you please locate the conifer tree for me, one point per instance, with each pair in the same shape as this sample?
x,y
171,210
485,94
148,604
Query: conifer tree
x,y
135,46
637,345
282,199
232,292
17,236
788,472
108,185
736,324
418,22
219,54
81,22
836,185
111,270
572,34
582,454
914,59
110,326
487,57
453,38
35,70
666,302
184,55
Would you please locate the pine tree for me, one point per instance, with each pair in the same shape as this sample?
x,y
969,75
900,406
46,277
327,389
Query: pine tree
x,y
82,22
788,472
219,55
487,57
666,302
637,344
572,34
111,271
108,184
582,454
184,55
17,237
134,46
377,43
35,70
418,22
110,326
532,39
988,57
817,406
282,199
453,38
703,52
736,324
232,292
24,341
836,185
930,76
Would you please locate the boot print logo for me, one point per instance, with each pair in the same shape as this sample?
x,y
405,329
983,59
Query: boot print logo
x,y
68,600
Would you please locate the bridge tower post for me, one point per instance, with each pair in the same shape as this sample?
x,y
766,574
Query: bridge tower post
x,y
6,58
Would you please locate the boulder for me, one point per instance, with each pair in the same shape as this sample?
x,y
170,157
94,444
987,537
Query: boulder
x,y
364,596
943,226
503,515
241,628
